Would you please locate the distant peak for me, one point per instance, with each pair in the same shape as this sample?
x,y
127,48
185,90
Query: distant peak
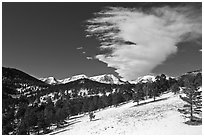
x,y
49,80
80,75
51,77
107,78
73,78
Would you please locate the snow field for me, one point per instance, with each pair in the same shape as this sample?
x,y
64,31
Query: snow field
x,y
153,118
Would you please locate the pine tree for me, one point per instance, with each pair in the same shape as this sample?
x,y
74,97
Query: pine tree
x,y
91,105
171,82
41,123
146,90
49,112
175,88
193,97
155,91
104,100
162,83
7,120
138,93
198,101
95,102
65,110
30,119
22,129
115,99
85,106
58,117
136,97
48,116
59,112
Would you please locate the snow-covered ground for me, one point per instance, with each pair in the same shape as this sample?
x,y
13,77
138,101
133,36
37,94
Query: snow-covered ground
x,y
160,117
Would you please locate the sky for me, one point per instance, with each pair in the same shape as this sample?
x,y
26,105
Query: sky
x,y
125,39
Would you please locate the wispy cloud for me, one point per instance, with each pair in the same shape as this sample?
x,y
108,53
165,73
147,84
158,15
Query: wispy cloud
x,y
140,40
89,58
200,50
79,48
83,52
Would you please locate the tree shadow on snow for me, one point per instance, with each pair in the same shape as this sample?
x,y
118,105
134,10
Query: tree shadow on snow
x,y
95,119
64,126
59,131
144,103
76,117
195,122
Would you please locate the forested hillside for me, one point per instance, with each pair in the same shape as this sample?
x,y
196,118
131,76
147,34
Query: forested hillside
x,y
31,106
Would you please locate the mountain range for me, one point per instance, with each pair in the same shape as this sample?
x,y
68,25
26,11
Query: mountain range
x,y
105,78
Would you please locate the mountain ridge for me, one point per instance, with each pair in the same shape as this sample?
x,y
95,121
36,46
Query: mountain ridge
x,y
111,79
104,78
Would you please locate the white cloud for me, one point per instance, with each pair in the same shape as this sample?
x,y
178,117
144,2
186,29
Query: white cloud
x,y
84,52
79,48
89,58
140,41
200,50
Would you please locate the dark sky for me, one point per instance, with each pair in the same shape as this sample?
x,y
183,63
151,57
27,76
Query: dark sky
x,y
42,40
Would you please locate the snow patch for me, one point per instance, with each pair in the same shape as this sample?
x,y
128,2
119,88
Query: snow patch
x,y
73,78
107,78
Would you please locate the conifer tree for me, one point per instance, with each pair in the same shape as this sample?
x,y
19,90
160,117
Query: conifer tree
x,y
49,112
136,97
137,94
41,123
175,88
155,91
193,97
58,117
65,110
85,106
30,119
104,100
22,129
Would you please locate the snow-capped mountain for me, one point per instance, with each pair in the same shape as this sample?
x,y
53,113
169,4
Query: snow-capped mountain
x,y
144,79
50,80
147,78
73,78
107,78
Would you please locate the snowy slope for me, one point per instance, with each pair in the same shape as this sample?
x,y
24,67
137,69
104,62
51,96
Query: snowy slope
x,y
73,78
107,78
160,117
50,80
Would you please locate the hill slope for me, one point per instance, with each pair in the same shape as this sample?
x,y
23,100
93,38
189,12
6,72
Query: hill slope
x,y
14,75
160,117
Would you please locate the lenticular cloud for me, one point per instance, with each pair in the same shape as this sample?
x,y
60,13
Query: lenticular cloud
x,y
140,40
